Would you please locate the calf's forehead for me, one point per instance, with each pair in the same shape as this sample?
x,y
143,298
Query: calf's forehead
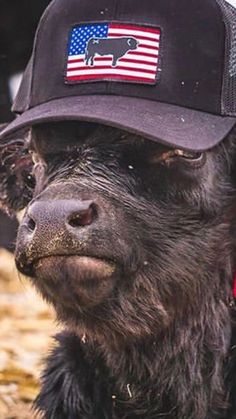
x,y
63,129
47,136
66,131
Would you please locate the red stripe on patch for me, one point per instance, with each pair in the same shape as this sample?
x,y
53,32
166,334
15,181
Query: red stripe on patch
x,y
105,67
146,54
143,38
125,60
135,28
128,60
79,60
110,77
148,46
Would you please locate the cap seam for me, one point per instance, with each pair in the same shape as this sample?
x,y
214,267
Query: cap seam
x,y
109,84
43,19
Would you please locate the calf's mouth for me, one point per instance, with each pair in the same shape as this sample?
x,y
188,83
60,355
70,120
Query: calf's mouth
x,y
75,280
81,267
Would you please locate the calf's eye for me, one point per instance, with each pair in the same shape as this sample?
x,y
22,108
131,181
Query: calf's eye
x,y
171,156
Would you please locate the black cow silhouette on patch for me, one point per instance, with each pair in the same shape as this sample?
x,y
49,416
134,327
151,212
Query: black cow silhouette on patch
x,y
117,47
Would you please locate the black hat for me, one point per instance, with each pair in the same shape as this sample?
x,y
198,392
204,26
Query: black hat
x,y
163,69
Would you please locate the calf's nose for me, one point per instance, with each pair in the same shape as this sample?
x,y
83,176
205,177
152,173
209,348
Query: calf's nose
x,y
62,215
53,227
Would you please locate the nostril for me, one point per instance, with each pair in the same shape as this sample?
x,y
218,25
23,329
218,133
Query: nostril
x,y
84,217
31,224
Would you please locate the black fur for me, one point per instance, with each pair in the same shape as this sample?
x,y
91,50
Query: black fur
x,y
156,340
16,179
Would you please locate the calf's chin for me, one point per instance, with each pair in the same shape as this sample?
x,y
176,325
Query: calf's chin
x,y
80,281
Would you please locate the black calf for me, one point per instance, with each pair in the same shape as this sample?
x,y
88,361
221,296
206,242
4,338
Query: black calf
x,y
134,245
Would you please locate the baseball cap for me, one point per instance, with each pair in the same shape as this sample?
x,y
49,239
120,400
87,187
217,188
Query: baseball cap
x,y
162,69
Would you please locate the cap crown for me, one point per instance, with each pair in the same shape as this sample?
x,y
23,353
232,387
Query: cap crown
x,y
196,62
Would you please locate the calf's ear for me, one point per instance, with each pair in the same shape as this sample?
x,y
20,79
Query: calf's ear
x,y
16,178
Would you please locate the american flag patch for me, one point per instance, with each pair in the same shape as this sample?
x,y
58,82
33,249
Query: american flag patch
x,y
113,51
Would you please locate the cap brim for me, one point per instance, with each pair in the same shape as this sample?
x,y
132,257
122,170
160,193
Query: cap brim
x,y
165,123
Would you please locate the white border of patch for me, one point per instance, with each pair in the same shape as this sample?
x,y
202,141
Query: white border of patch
x,y
232,2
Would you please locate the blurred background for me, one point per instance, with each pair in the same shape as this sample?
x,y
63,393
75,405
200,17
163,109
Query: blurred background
x,y
26,323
